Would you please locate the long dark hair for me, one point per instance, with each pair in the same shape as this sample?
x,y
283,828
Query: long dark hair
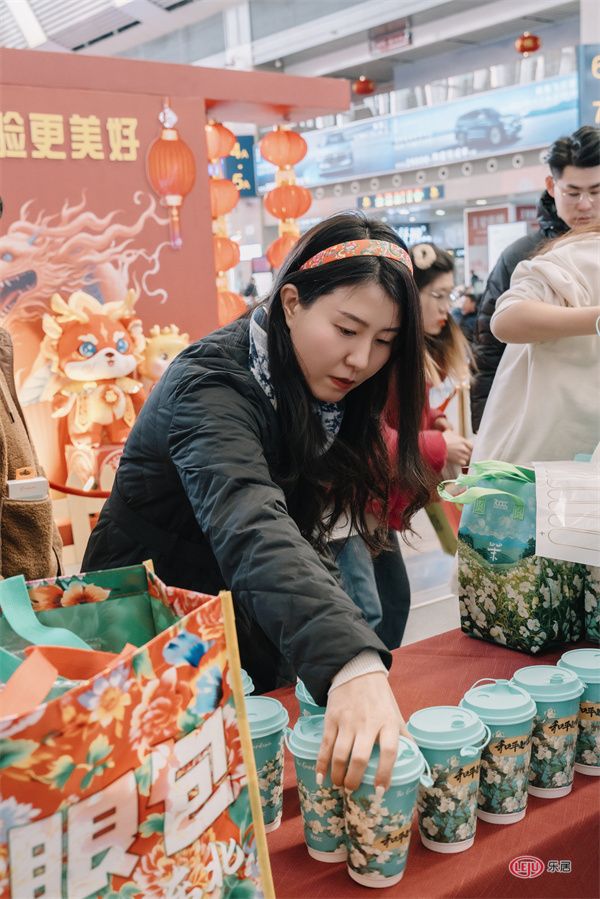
x,y
320,487
448,352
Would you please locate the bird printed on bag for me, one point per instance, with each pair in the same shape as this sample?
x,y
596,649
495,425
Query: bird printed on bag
x,y
186,649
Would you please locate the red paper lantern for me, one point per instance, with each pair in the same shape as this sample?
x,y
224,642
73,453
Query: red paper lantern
x,y
220,141
230,305
227,253
289,201
224,196
283,148
363,86
280,248
527,43
171,170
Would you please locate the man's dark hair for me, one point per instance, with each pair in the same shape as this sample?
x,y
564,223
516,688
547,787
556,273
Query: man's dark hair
x,y
581,149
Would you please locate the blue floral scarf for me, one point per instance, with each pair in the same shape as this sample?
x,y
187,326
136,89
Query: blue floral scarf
x,y
331,414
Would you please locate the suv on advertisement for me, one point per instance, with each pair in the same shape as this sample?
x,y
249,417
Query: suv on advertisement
x,y
337,153
488,126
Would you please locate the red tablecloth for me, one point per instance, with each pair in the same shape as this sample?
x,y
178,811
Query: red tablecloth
x,y
436,672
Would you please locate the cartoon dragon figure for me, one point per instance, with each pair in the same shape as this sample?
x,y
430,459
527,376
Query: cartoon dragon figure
x,y
94,350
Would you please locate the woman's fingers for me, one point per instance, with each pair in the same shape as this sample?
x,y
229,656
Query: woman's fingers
x,y
326,749
360,714
345,745
388,749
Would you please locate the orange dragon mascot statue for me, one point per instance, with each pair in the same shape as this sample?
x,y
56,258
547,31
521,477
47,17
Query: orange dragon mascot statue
x,y
94,350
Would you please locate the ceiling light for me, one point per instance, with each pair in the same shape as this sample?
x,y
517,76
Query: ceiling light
x,y
440,212
481,202
412,218
28,22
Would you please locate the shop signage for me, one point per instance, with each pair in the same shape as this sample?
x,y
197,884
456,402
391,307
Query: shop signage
x,y
477,222
526,214
48,135
589,84
405,197
389,37
239,166
412,234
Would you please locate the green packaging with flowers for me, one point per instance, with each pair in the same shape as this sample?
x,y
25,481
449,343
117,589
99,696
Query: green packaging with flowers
x,y
507,593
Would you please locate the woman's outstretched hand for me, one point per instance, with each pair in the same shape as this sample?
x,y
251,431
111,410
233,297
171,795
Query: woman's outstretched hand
x,y
359,714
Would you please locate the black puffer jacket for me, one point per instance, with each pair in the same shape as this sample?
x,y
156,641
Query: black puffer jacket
x,y
488,350
194,492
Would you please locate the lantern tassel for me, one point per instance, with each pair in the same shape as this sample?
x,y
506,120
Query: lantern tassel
x,y
174,229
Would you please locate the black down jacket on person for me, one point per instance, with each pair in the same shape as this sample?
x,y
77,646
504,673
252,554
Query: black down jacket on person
x,y
194,492
487,349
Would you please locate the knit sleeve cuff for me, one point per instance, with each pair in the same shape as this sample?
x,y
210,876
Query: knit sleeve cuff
x,y
366,662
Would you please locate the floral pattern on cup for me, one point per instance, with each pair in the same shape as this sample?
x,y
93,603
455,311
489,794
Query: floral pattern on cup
x,y
270,782
370,828
504,775
553,751
448,809
322,811
530,605
588,742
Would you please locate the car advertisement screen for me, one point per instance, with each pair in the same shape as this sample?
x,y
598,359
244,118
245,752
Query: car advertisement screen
x,y
506,120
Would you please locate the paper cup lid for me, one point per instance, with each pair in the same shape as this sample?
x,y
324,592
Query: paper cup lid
x,y
247,683
584,662
265,715
305,739
445,727
499,702
547,683
409,764
303,695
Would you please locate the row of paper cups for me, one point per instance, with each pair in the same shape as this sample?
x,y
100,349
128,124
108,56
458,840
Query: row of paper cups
x,y
505,739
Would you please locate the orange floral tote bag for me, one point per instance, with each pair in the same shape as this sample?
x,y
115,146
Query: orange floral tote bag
x,y
139,780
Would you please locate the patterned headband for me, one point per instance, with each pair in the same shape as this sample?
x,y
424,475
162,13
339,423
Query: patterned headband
x,y
365,247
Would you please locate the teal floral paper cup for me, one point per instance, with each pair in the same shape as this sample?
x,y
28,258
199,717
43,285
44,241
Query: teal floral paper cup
x,y
378,828
451,740
556,693
586,665
307,704
509,712
321,805
268,719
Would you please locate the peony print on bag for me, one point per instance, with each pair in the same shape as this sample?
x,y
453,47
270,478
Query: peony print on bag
x,y
140,780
